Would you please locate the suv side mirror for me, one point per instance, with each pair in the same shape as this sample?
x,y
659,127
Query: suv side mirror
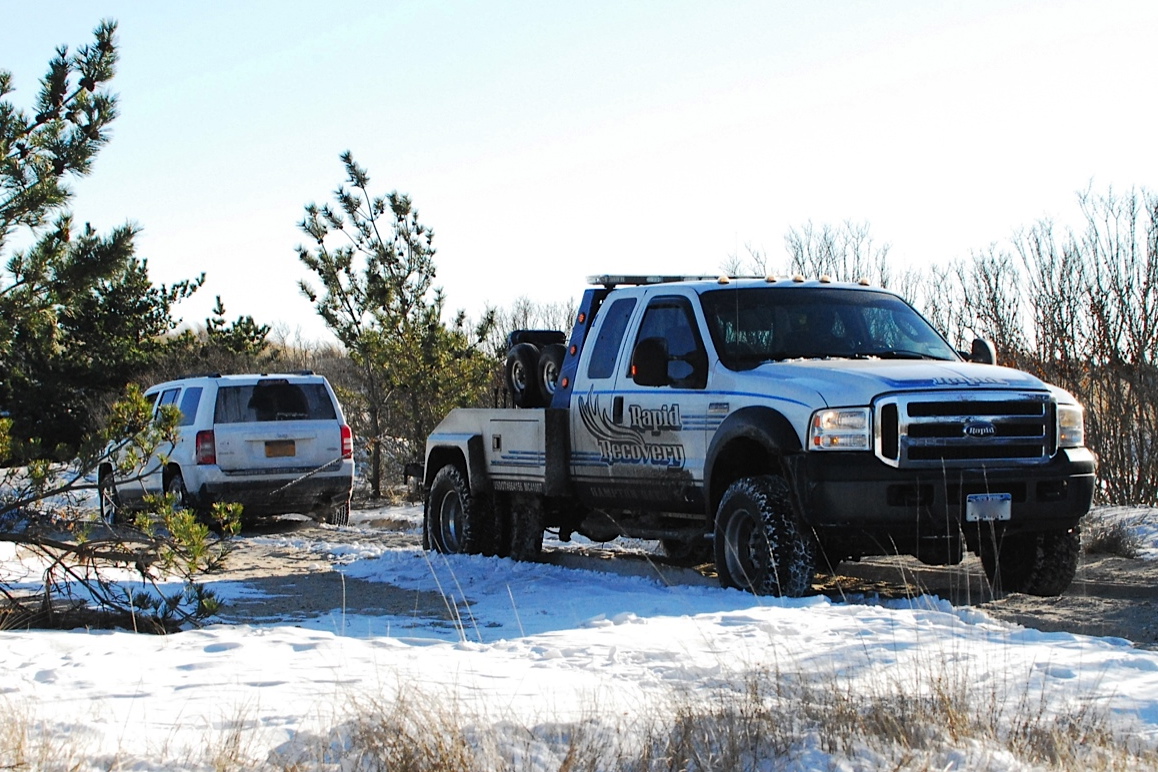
x,y
983,352
649,362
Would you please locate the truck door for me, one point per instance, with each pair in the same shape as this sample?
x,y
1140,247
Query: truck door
x,y
655,442
592,427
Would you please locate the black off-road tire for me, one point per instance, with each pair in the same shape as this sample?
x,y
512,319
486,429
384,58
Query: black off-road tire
x,y
339,515
679,552
456,522
550,366
111,510
176,488
761,545
526,528
1042,563
522,374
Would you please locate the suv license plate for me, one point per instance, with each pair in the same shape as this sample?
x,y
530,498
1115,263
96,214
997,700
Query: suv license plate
x,y
984,507
279,448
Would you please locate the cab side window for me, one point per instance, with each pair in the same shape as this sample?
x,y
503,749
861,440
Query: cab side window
x,y
606,348
671,319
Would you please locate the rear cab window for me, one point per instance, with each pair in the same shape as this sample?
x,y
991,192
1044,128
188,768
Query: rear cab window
x,y
607,343
274,399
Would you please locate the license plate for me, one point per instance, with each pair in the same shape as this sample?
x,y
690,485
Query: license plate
x,y
984,507
279,448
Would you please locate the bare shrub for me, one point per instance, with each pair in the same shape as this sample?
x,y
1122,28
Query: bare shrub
x,y
1104,534
930,717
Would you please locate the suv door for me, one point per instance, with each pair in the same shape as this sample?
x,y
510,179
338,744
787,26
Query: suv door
x,y
153,471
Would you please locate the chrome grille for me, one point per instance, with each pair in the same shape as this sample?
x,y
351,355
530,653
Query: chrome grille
x,y
965,428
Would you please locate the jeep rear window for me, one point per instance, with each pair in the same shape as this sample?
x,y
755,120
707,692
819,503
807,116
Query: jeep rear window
x,y
761,324
273,400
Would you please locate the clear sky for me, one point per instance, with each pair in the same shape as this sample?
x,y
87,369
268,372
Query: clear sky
x,y
547,141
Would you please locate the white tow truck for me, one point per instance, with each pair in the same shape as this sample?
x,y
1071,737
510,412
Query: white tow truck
x,y
772,425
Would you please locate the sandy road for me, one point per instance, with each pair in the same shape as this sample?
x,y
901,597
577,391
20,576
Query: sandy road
x,y
291,577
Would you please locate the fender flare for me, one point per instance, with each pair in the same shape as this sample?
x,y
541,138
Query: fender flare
x,y
764,427
465,453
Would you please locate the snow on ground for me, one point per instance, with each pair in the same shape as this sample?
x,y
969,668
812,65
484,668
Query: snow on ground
x,y
535,643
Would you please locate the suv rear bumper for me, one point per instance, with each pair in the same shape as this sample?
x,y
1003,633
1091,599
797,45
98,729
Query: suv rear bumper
x,y
855,499
261,495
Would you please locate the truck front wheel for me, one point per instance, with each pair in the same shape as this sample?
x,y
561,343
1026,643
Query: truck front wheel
x,y
760,545
454,519
1041,563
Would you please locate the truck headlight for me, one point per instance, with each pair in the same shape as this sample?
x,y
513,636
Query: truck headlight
x,y
840,429
1071,426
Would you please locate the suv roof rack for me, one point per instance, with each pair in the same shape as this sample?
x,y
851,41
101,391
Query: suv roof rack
x,y
610,281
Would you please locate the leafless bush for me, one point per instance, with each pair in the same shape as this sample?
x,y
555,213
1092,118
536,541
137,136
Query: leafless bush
x,y
846,252
1079,309
927,718
1106,533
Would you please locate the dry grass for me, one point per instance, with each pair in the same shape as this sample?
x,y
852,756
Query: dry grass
x,y
929,720
27,743
1106,535
767,721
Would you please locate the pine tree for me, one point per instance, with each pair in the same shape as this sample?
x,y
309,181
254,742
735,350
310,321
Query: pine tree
x,y
375,262
78,314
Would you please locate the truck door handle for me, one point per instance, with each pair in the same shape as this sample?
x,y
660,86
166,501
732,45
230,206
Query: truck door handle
x,y
617,410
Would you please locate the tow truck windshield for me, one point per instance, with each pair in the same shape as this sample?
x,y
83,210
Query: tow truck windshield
x,y
750,326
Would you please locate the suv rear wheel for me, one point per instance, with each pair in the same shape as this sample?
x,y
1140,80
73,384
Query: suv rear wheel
x,y
339,515
176,488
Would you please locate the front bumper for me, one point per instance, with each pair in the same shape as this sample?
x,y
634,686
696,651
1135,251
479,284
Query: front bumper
x,y
862,506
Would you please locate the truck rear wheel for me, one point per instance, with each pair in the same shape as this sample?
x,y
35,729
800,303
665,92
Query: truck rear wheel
x,y
1041,563
686,553
523,375
454,521
760,545
526,527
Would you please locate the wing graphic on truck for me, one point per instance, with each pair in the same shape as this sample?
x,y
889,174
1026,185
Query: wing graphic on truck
x,y
604,429
626,445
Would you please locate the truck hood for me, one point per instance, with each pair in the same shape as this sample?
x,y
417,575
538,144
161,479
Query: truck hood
x,y
853,382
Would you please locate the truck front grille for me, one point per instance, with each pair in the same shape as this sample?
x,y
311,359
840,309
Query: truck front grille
x,y
965,428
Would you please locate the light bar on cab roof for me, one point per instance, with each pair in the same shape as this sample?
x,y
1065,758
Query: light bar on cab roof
x,y
611,280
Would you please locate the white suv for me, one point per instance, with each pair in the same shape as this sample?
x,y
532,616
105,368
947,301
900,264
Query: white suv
x,y
274,443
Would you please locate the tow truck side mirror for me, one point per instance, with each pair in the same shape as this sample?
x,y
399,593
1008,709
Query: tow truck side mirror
x,y
983,352
649,362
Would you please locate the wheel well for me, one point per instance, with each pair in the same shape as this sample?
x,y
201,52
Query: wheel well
x,y
170,471
742,457
440,457
752,441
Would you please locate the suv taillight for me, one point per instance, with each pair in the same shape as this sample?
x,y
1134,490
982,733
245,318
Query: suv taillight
x,y
347,442
206,452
